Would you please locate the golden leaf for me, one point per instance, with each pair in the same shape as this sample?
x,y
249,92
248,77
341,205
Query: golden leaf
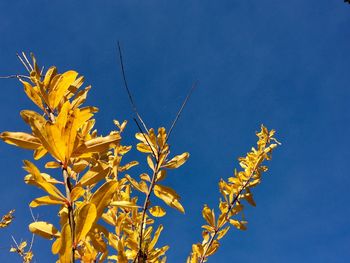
x,y
44,229
161,137
144,148
86,218
46,200
157,211
50,73
60,87
100,144
21,139
40,152
222,232
41,182
7,219
77,192
240,225
32,94
150,162
80,97
124,204
102,197
213,248
56,245
177,161
94,175
169,196
65,250
155,237
208,215
127,166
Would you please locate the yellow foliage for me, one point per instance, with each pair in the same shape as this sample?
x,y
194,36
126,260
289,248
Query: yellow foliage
x,y
92,184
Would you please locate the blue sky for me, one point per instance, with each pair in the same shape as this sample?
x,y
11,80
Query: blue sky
x,y
281,63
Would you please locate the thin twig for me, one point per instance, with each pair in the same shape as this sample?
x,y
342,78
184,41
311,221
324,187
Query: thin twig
x,y
148,143
33,217
22,61
31,242
25,57
133,105
180,111
14,77
14,240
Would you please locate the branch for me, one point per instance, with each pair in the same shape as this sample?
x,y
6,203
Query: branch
x,y
16,76
232,205
180,111
22,61
133,105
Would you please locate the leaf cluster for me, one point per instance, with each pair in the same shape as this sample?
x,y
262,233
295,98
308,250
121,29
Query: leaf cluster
x,y
98,202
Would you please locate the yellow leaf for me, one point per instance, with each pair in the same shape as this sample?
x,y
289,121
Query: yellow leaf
x,y
94,175
161,175
21,139
150,162
29,179
61,86
50,73
169,196
85,220
223,232
124,204
161,137
249,197
52,165
80,97
145,177
177,161
7,219
56,245
240,225
100,144
44,229
40,152
127,166
157,211
144,148
46,200
40,182
135,184
156,237
77,192
208,215
22,245
65,251
213,248
44,131
32,94
102,197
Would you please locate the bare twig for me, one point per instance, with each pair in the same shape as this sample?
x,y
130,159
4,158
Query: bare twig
x,y
133,105
14,240
15,77
22,61
31,242
148,143
180,111
33,217
25,57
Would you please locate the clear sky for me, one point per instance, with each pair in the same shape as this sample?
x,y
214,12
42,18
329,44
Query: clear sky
x,y
282,63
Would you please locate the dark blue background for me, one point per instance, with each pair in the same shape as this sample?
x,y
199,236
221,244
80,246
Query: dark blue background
x,y
282,63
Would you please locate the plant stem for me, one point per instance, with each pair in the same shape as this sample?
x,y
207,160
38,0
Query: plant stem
x,y
231,206
68,187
